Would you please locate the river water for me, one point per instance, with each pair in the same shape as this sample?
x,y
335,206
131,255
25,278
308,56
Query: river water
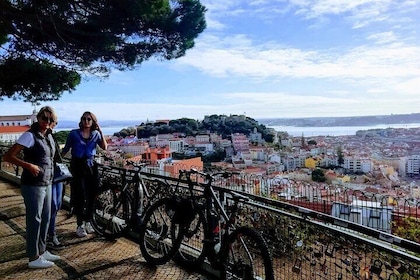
x,y
297,131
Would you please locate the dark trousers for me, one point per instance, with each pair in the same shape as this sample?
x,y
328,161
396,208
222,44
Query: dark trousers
x,y
84,185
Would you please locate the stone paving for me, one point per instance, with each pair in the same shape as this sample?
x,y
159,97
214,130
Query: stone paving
x,y
90,257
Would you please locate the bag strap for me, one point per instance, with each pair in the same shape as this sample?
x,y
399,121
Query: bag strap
x,y
57,156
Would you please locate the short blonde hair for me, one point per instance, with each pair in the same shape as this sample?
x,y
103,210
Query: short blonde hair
x,y
47,109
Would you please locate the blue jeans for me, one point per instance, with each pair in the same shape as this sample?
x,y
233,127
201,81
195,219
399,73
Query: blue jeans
x,y
56,202
37,201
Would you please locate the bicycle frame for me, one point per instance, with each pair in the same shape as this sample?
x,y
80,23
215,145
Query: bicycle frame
x,y
211,204
238,252
126,205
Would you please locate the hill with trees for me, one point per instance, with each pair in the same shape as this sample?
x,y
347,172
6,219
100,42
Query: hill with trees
x,y
220,124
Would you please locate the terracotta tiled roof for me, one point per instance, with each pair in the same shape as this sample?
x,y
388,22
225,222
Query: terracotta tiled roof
x,y
13,129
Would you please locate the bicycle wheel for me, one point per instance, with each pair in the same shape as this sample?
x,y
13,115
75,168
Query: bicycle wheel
x,y
192,250
246,256
156,243
111,213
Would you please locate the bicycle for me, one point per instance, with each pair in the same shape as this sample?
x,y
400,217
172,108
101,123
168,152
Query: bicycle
x,y
204,229
120,206
157,241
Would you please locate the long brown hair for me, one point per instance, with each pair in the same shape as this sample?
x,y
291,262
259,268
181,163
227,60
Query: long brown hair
x,y
94,121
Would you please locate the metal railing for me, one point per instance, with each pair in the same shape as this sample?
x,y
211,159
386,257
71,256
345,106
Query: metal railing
x,y
308,242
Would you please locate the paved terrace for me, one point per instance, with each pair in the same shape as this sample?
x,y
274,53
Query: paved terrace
x,y
83,258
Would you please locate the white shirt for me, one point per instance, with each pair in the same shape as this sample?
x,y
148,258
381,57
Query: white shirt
x,y
26,139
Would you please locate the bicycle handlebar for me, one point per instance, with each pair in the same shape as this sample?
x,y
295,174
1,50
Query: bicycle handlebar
x,y
136,164
207,176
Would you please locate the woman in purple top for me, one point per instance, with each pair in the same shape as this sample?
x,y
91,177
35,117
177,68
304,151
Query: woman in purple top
x,y
83,142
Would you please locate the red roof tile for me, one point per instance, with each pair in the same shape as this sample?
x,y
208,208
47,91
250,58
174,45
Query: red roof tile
x,y
13,129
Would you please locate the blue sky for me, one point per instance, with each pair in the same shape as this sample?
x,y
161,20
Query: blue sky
x,y
270,59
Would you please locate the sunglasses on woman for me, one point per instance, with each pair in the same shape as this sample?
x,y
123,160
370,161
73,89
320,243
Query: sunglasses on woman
x,y
47,119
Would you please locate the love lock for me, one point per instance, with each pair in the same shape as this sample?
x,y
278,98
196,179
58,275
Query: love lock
x,y
355,269
297,266
329,251
317,253
413,272
393,276
376,267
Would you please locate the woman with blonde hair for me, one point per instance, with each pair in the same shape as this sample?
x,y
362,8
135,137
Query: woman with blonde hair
x,y
38,148
83,143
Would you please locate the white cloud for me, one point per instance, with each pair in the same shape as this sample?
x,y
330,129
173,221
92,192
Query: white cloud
x,y
240,58
383,38
371,65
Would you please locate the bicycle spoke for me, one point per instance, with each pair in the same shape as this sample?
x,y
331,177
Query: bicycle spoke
x,y
246,257
156,243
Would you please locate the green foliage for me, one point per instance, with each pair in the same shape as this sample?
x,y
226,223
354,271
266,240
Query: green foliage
x,y
35,80
318,175
312,142
59,40
61,136
410,229
217,156
126,132
220,124
226,125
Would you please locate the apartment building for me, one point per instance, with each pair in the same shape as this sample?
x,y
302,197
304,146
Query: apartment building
x,y
410,165
155,154
292,162
240,142
135,149
177,145
356,164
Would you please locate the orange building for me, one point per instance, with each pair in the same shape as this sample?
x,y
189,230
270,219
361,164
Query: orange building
x,y
154,154
185,164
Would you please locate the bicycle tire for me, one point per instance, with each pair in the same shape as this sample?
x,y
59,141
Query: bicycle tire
x,y
156,242
111,213
246,256
193,248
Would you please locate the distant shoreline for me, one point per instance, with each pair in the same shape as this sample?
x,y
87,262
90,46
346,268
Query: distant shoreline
x,y
344,121
297,131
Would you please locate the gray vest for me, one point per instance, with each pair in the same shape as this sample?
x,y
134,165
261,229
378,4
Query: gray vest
x,y
41,154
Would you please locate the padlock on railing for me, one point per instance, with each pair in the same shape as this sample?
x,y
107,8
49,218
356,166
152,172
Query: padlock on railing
x,y
297,266
376,267
329,250
393,276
